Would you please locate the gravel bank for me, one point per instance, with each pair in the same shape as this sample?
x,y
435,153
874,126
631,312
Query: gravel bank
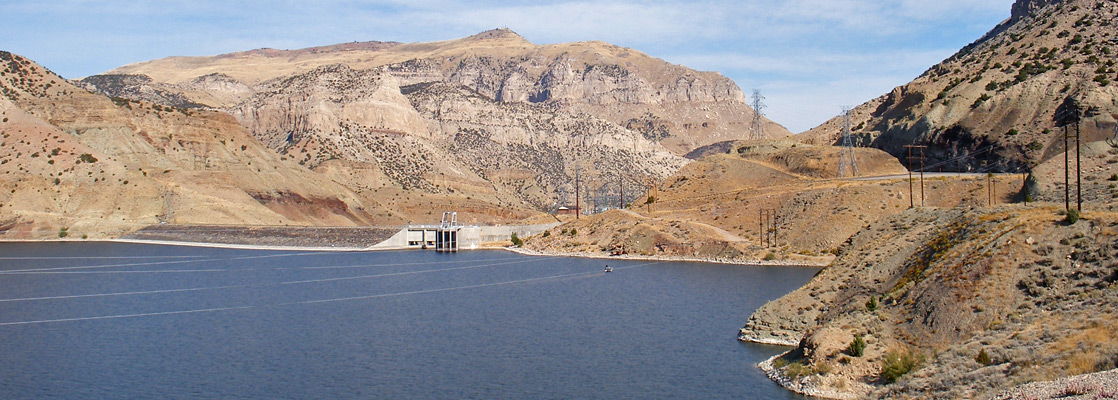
x,y
278,236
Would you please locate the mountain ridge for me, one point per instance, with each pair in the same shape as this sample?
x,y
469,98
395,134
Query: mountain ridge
x,y
610,82
992,105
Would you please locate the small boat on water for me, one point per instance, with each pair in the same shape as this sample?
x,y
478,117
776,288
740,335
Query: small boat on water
x,y
609,269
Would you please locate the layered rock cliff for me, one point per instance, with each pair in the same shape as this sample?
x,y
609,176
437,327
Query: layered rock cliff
x,y
508,118
612,83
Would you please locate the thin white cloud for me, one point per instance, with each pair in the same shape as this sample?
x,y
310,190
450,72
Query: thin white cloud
x,y
817,62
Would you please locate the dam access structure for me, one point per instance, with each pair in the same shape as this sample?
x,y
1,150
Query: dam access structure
x,y
451,236
447,236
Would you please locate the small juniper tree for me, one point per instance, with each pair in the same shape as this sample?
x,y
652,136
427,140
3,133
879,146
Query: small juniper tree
x,y
857,346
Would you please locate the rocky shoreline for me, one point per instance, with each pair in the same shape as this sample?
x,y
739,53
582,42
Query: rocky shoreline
x,y
980,301
807,386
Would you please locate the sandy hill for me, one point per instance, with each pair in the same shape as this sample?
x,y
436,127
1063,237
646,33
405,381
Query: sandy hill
x,y
996,104
710,208
101,166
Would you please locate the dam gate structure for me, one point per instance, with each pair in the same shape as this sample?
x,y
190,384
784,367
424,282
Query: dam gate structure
x,y
451,236
446,236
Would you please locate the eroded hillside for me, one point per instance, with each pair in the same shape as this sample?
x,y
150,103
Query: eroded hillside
x,y
672,104
711,208
101,166
999,103
491,116
952,303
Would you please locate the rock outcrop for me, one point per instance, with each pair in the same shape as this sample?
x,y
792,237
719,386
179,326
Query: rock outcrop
x,y
976,301
999,103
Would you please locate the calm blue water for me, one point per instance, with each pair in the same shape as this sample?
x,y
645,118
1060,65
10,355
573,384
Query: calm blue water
x,y
108,321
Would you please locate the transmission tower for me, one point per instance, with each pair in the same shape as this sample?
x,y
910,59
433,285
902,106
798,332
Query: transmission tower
x,y
758,129
847,162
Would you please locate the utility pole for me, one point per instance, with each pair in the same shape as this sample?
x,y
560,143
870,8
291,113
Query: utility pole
x,y
990,188
1067,177
1078,182
757,131
846,155
767,227
621,183
578,209
1070,114
760,226
912,158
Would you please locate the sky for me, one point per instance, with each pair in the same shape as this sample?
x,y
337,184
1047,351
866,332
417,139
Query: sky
x,y
809,58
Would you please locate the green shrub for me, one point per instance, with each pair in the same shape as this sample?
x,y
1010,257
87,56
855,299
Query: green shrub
x,y
87,158
980,100
898,363
574,231
62,232
796,370
983,358
1073,216
780,362
771,256
822,368
1113,177
857,346
546,233
516,241
871,304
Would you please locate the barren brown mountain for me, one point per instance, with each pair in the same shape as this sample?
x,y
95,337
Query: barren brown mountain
x,y
999,103
102,166
491,116
675,105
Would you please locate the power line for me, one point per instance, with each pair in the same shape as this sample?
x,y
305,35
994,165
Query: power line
x,y
972,154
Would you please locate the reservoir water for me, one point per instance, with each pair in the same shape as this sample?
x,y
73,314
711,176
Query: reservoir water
x,y
120,321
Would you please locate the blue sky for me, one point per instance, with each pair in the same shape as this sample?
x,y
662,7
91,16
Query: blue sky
x,y
808,57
